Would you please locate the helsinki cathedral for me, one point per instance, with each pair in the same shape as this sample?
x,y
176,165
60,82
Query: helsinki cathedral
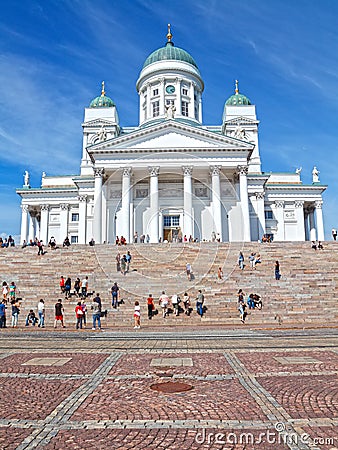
x,y
172,175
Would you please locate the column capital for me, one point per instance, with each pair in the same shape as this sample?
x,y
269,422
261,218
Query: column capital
x,y
45,207
260,195
126,171
279,204
299,203
215,170
98,172
24,208
64,206
82,198
318,204
187,170
154,171
243,170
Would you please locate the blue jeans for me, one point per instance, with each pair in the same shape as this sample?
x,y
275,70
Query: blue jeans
x,y
114,299
97,317
41,319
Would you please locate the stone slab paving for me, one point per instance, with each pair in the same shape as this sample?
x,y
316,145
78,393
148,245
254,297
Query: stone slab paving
x,y
264,390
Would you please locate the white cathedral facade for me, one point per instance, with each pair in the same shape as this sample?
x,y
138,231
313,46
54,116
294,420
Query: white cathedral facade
x,y
172,175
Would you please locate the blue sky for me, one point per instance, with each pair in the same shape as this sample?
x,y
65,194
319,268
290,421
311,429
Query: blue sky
x,y
55,53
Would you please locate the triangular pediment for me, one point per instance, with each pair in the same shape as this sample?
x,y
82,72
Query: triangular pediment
x,y
240,120
171,135
98,123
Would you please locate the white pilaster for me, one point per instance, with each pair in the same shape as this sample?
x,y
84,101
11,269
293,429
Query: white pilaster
x,y
279,215
243,189
82,219
97,219
162,97
188,224
125,218
32,226
313,234
64,207
44,223
216,200
149,112
24,223
154,210
179,96
319,220
299,215
260,213
191,105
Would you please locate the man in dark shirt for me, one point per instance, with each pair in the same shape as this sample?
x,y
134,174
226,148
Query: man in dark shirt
x,y
98,300
59,310
114,293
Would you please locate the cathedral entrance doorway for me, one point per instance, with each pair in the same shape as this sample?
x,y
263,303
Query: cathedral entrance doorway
x,y
171,228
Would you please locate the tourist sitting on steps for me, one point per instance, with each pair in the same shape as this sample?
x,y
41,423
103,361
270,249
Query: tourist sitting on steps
x,y
31,318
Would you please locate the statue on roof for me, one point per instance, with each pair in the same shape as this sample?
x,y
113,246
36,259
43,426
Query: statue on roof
x,y
298,170
26,179
239,133
170,111
315,173
102,134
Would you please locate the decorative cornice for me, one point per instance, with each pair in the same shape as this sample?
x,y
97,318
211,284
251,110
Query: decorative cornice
x,y
187,170
154,171
98,172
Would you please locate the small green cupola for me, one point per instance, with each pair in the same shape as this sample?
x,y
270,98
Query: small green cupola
x,y
237,99
102,101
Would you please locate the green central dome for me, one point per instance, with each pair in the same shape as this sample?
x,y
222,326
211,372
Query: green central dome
x,y
169,52
102,101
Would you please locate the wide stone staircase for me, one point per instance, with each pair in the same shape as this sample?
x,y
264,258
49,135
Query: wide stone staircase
x,y
305,295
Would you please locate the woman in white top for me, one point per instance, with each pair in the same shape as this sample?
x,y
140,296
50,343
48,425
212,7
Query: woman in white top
x,y
137,315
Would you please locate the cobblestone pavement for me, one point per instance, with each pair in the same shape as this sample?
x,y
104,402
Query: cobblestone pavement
x,y
250,389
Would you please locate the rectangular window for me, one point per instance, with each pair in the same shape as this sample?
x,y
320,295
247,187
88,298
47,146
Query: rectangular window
x,y
185,109
171,221
169,102
185,91
155,92
175,222
74,239
156,109
268,214
75,217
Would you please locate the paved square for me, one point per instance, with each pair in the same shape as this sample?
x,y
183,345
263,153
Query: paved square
x,y
296,360
47,362
171,362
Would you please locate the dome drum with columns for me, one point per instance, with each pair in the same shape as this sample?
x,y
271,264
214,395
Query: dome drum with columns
x,y
172,175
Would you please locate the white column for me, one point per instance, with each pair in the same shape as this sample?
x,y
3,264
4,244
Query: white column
x,y
313,236
299,214
306,225
279,215
260,214
149,112
243,189
32,225
97,219
191,105
200,118
154,209
319,220
178,96
44,223
64,207
24,223
82,219
125,209
188,224
216,200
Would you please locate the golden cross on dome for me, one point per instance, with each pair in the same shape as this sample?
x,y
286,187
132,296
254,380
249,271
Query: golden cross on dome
x,y
103,92
169,35
236,89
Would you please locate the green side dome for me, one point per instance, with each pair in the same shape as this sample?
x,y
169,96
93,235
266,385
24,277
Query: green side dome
x,y
169,52
238,99
102,101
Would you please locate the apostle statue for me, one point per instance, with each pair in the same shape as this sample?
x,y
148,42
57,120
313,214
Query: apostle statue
x,y
315,173
26,179
170,111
